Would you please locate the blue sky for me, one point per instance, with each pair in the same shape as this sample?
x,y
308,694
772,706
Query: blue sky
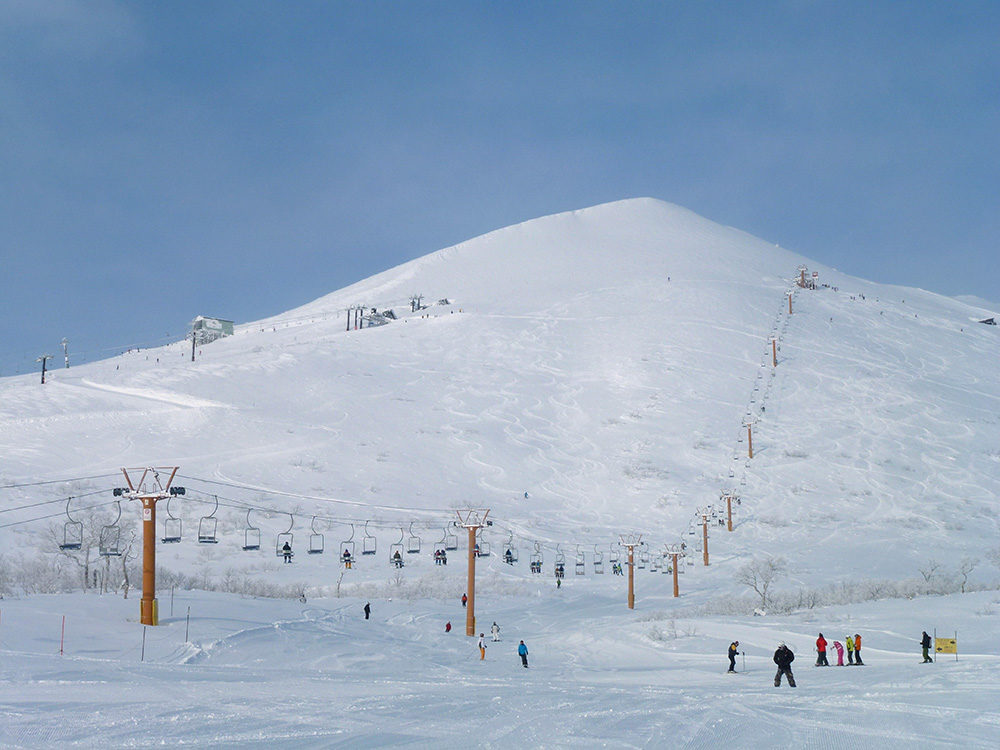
x,y
163,160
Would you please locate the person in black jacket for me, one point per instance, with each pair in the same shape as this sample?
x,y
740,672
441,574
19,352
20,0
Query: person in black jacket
x,y
734,648
784,657
925,644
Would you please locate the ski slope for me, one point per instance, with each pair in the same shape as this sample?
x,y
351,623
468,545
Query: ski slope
x,y
586,375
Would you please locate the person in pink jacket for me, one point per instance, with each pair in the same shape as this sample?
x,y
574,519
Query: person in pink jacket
x,y
839,648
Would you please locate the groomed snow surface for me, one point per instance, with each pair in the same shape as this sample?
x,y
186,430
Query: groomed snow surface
x,y
259,673
604,361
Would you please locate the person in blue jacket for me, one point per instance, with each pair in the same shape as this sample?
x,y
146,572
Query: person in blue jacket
x,y
522,651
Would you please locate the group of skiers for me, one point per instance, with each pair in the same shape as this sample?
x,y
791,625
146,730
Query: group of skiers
x,y
440,557
783,656
853,651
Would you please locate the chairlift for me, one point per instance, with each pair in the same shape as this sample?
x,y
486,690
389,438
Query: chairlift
x,y
598,561
450,541
412,542
316,539
171,526
285,537
536,559
560,564
615,557
396,551
208,525
369,543
347,550
510,551
251,536
482,547
581,562
72,531
111,535
643,556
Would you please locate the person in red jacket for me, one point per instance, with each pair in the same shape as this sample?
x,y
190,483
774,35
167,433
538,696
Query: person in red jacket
x,y
821,652
857,650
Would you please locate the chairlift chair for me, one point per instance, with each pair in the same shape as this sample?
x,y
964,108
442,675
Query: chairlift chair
x,y
316,539
643,557
285,537
369,543
482,546
450,541
347,550
560,564
171,526
510,551
581,562
251,536
208,525
72,531
598,561
111,534
536,559
412,542
396,551
615,557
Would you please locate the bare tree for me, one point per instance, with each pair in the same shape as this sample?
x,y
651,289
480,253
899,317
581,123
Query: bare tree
x,y
967,565
759,574
929,569
128,554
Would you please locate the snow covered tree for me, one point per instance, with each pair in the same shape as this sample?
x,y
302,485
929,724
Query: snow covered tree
x,y
759,574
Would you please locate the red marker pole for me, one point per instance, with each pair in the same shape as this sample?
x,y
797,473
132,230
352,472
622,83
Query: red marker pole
x,y
62,638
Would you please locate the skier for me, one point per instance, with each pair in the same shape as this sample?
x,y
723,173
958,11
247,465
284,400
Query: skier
x,y
495,630
821,651
839,647
784,657
522,651
447,627
850,650
857,650
397,559
286,552
482,647
925,644
465,600
733,650
368,610
559,583
347,559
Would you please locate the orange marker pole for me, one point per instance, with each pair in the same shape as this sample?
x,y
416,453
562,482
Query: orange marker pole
x,y
729,512
676,589
704,537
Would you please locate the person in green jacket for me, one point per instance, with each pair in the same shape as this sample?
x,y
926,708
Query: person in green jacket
x,y
849,642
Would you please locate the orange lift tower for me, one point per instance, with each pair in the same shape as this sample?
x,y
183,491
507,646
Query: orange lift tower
x,y
149,487
630,542
675,551
474,520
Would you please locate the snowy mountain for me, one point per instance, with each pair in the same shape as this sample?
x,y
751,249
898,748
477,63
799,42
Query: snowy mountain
x,y
602,361
584,376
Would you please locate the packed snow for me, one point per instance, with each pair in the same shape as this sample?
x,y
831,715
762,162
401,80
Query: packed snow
x,y
584,376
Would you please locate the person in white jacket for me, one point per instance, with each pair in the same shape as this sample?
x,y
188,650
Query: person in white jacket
x,y
495,630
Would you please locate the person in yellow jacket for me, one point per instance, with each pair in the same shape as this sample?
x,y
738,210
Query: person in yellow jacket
x,y
734,649
849,642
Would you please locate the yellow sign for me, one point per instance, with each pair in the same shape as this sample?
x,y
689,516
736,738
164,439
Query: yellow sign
x,y
946,645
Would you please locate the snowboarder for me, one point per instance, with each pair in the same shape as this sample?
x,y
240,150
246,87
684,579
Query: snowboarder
x,y
522,651
734,648
821,652
482,647
495,630
784,657
447,627
925,644
286,552
368,610
559,583
347,559
850,650
839,648
465,600
857,650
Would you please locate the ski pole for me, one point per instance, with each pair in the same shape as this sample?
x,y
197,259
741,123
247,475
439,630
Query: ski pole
x,y
744,655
